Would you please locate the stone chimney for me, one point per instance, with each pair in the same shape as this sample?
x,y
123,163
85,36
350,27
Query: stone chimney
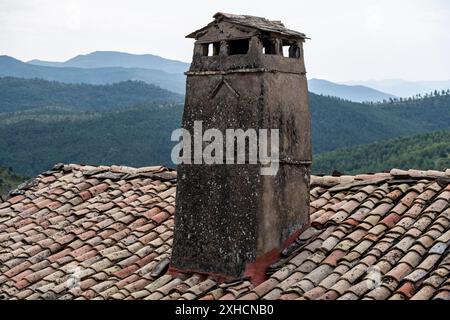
x,y
232,219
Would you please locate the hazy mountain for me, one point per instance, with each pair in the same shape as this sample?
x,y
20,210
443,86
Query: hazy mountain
x,y
355,93
116,62
102,59
402,88
46,63
10,67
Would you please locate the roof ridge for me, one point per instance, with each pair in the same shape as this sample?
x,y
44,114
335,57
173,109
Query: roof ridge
x,y
260,23
247,16
113,172
393,174
113,168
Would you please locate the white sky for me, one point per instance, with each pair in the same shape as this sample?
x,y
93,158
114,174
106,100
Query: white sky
x,y
351,39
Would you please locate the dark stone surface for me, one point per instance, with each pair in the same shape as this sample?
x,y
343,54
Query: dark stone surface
x,y
265,101
227,215
216,208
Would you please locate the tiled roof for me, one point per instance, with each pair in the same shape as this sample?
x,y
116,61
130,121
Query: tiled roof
x,y
83,232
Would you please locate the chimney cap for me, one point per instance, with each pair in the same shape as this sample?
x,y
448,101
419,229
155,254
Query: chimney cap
x,y
259,23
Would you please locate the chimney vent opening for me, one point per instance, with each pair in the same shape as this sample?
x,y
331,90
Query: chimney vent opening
x,y
291,50
238,46
210,49
269,46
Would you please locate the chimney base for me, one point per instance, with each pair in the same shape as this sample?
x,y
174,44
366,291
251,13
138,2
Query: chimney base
x,y
255,271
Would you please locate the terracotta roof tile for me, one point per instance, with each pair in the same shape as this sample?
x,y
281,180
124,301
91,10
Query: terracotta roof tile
x,y
442,295
329,295
275,294
425,293
86,232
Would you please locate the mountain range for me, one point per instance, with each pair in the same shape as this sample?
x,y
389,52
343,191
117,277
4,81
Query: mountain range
x,y
10,67
106,59
356,93
402,88
105,67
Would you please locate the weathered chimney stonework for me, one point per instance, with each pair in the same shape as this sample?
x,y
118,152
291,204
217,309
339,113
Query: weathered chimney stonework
x,y
229,217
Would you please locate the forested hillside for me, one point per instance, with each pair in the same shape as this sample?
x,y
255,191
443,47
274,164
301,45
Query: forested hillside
x,y
18,94
427,151
9,180
338,123
130,123
35,140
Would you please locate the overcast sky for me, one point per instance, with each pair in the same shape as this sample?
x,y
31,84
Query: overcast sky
x,y
351,39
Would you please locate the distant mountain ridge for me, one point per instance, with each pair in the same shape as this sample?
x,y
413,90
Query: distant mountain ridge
x,y
105,59
104,67
10,67
356,93
403,88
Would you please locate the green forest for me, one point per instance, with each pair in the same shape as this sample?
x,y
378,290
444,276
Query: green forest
x,y
34,140
338,123
17,94
425,152
130,123
9,180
